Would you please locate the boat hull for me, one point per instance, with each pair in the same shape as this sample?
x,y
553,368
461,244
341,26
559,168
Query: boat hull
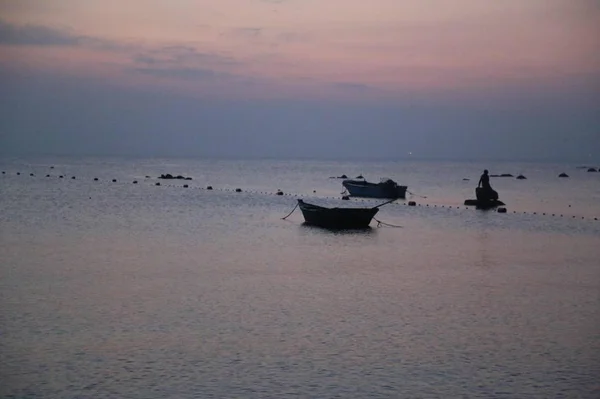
x,y
361,188
337,218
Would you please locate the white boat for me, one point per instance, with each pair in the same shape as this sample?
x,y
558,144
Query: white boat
x,y
386,188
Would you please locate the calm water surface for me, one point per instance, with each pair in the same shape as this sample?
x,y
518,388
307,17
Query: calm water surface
x,y
116,290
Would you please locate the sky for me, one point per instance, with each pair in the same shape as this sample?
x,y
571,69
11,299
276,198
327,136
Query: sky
x,y
332,79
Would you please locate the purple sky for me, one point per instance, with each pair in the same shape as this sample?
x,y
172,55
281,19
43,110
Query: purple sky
x,y
451,79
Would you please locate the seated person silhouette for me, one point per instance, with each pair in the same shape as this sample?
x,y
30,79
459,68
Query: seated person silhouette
x,y
484,191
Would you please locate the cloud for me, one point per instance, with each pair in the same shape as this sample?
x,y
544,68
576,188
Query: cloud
x,y
34,35
180,55
39,35
180,73
183,62
178,61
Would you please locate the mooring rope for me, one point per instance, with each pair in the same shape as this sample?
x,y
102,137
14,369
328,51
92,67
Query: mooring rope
x,y
416,195
380,223
286,216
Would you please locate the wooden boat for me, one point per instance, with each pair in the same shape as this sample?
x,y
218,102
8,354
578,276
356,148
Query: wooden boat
x,y
337,218
387,188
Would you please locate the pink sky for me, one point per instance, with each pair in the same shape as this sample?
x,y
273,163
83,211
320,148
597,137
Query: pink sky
x,y
306,47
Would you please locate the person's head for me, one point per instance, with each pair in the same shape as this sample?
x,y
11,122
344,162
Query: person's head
x,y
485,172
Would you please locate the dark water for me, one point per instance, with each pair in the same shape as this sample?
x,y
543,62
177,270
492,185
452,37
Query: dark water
x,y
116,290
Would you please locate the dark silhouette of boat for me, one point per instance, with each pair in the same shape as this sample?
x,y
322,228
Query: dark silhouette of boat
x,y
387,188
337,218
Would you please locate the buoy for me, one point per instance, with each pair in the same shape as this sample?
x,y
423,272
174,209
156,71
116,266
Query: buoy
x,y
135,182
31,174
61,176
3,172
412,203
95,179
73,177
209,188
51,167
157,183
114,180
47,175
185,186
18,173
501,210
238,190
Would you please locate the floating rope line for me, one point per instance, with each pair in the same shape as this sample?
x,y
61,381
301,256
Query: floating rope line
x,y
416,195
314,195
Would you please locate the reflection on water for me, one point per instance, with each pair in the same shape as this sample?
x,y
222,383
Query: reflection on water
x,y
363,231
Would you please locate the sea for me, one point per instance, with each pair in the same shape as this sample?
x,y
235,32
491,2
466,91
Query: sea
x,y
116,289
